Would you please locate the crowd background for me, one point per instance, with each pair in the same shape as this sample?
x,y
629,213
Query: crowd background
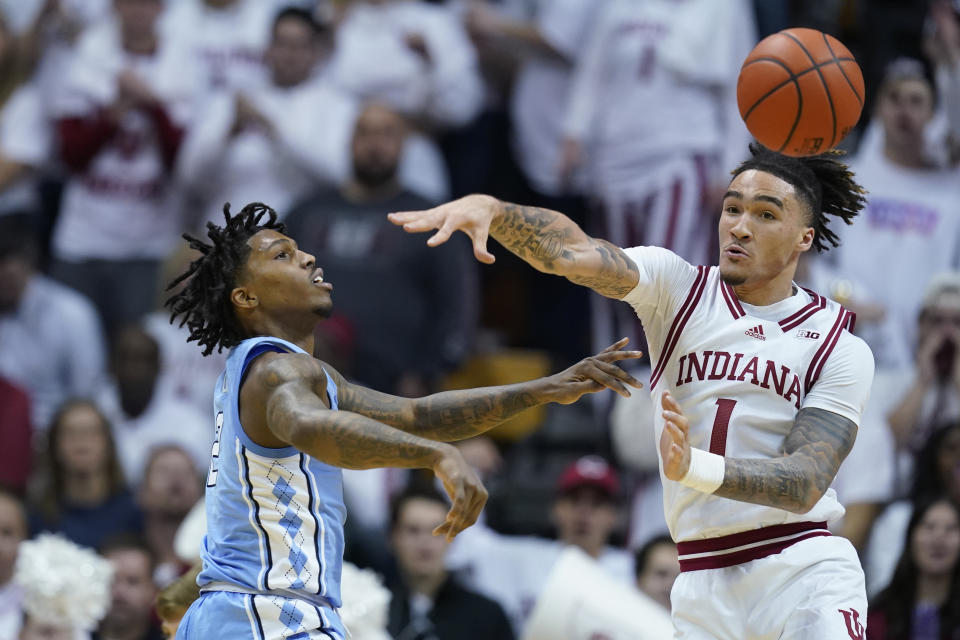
x,y
124,123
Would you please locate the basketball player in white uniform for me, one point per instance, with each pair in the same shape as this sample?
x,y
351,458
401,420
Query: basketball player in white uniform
x,y
761,384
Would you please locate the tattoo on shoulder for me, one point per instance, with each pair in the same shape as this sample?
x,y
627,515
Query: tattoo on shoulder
x,y
814,448
617,275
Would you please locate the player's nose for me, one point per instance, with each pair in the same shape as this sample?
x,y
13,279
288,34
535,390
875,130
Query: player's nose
x,y
307,261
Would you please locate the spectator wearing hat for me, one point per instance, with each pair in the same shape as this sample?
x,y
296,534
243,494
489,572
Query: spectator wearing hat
x,y
513,570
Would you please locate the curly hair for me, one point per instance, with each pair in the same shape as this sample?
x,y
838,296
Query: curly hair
x,y
824,184
204,302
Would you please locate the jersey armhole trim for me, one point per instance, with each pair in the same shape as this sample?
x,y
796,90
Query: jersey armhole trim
x,y
679,321
256,351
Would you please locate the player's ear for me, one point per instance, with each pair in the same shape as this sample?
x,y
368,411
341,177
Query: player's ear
x,y
806,238
243,298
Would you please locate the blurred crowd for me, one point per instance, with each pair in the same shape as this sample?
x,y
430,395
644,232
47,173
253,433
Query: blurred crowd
x,y
125,123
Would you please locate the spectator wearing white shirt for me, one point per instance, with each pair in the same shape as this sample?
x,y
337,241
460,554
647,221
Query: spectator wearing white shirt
x,y
513,570
120,118
142,416
51,343
277,140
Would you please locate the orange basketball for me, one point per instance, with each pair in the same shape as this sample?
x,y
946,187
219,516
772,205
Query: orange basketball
x,y
800,91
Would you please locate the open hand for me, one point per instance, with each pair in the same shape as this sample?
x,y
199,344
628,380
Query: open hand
x,y
466,492
675,439
597,373
471,215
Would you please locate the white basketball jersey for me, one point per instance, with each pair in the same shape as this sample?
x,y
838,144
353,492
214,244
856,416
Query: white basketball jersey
x,y
741,374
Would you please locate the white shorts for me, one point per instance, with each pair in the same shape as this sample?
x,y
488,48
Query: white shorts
x,y
812,590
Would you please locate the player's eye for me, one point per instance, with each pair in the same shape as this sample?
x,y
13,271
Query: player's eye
x,y
280,256
768,216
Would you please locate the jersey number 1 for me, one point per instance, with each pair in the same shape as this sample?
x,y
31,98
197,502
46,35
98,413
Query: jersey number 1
x,y
215,453
718,437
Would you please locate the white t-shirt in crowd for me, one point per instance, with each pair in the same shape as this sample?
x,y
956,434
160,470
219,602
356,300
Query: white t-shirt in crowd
x,y
513,570
310,145
122,205
541,91
656,79
25,137
912,219
166,421
52,346
761,365
447,90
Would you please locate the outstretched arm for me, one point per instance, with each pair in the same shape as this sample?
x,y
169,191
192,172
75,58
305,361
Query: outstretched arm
x,y
813,451
457,415
547,240
281,401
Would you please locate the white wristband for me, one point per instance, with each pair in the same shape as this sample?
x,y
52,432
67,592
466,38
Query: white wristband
x,y
706,471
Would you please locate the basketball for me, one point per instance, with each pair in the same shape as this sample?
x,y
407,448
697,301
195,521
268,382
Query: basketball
x,y
800,91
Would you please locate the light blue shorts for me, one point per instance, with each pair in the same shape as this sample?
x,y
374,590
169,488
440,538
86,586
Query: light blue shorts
x,y
222,614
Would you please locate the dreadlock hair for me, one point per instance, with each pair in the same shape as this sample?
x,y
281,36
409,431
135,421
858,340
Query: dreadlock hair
x,y
824,184
204,302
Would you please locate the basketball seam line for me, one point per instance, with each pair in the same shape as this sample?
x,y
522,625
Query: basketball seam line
x,y
842,70
796,121
793,78
823,81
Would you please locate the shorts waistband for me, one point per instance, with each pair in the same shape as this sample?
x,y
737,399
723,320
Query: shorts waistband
x,y
744,546
317,601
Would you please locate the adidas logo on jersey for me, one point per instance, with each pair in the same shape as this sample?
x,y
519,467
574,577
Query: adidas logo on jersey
x,y
756,332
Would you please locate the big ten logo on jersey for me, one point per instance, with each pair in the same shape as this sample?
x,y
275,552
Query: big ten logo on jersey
x,y
806,333
851,618
215,452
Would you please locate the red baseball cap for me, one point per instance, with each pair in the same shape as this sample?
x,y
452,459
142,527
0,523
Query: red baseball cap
x,y
589,471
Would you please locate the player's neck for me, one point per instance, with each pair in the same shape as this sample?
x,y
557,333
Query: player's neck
x,y
300,334
765,293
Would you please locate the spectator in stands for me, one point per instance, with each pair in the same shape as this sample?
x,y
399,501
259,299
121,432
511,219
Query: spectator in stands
x,y
937,474
425,65
226,39
50,339
171,486
656,569
272,141
142,417
82,493
174,600
422,320
131,610
658,176
16,434
13,531
513,570
923,599
912,215
120,114
427,603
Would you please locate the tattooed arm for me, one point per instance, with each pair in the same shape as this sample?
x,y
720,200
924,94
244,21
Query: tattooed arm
x,y
283,401
813,450
547,240
457,415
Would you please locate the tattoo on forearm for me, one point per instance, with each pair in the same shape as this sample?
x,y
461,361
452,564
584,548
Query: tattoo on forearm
x,y
455,415
545,239
814,448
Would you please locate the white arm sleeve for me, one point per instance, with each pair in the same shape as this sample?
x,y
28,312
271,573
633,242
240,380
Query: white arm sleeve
x,y
844,383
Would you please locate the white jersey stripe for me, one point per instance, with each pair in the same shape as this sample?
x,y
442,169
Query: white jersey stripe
x,y
261,534
696,292
816,363
319,533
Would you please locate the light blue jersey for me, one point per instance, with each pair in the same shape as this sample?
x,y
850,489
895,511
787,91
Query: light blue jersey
x,y
275,520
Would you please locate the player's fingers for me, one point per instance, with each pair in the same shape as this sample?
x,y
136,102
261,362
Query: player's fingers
x,y
480,251
616,346
677,419
441,236
401,218
618,373
594,372
669,403
613,356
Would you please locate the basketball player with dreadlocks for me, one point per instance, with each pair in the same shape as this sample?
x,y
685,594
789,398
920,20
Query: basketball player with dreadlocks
x,y
286,424
761,385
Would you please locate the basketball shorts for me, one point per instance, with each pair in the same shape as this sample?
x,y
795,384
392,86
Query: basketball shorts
x,y
239,616
811,590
